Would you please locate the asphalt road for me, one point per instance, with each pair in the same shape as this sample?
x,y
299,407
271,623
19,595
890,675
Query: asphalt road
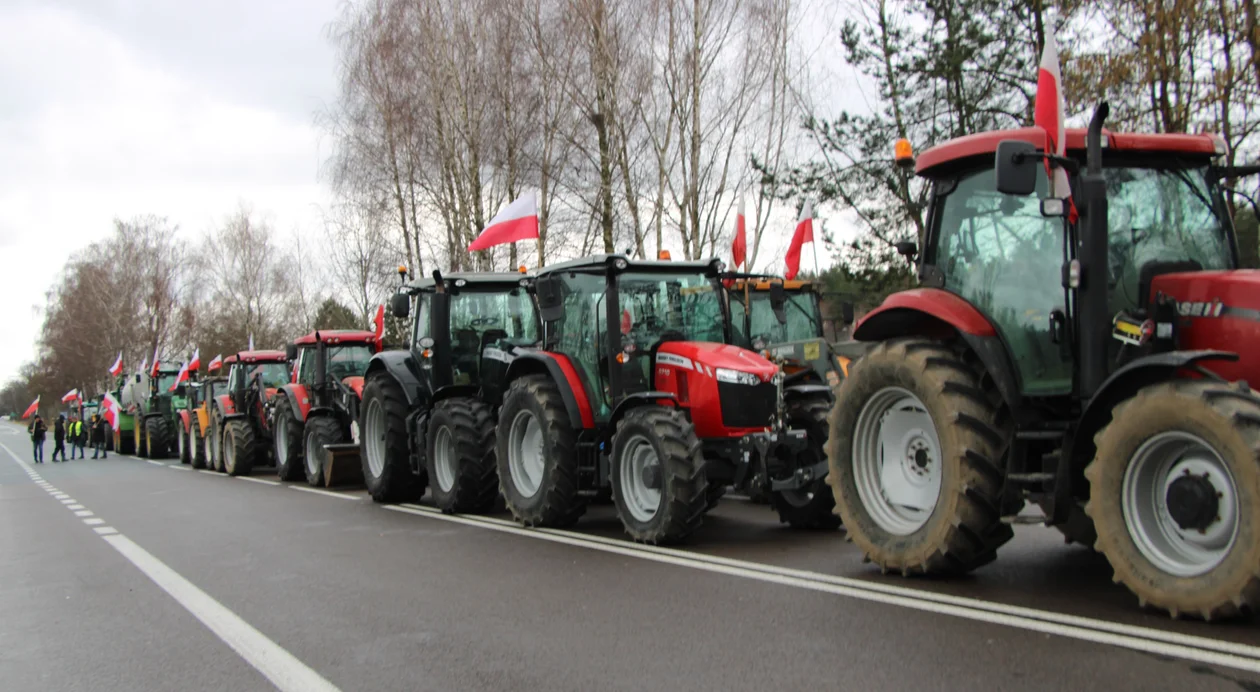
x,y
129,574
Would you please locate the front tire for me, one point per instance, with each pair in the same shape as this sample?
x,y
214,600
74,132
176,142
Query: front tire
x,y
320,431
1174,493
384,447
913,453
157,437
461,461
537,455
659,483
185,450
198,445
240,448
289,438
813,506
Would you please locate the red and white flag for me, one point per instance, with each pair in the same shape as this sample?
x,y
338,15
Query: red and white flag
x,y
739,246
1048,115
72,395
378,323
153,372
181,377
195,364
804,234
517,221
31,409
143,364
112,411
215,363
117,368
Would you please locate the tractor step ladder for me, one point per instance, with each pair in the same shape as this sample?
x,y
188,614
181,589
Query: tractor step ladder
x,y
344,467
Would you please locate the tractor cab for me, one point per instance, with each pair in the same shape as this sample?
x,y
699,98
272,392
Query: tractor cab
x,y
784,320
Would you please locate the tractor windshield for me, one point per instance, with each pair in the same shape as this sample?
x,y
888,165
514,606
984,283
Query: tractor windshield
x,y
481,319
274,375
165,382
348,361
684,307
804,321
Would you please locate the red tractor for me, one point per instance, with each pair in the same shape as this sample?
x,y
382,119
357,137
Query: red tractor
x,y
316,415
1090,366
239,433
635,386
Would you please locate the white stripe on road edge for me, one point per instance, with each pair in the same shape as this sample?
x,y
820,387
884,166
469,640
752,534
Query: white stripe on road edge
x,y
83,513
264,481
329,493
284,670
94,521
1201,649
177,467
279,666
75,506
155,463
212,473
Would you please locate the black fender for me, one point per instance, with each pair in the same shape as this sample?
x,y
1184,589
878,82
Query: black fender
x,y
1123,384
531,362
402,366
803,390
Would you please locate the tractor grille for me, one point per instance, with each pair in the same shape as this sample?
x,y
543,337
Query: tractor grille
x,y
748,407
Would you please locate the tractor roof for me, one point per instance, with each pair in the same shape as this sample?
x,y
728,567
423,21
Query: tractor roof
x,y
764,284
336,336
256,357
633,264
942,157
489,279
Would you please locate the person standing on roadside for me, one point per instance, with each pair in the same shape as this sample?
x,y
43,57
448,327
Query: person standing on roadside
x,y
38,430
99,430
75,437
59,437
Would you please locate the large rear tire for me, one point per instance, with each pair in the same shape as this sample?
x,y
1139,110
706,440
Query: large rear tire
x,y
198,445
185,450
157,437
813,506
319,431
384,447
463,474
1174,492
289,441
914,456
659,483
537,455
240,448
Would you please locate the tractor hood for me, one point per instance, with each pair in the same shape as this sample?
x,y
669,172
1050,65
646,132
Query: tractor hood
x,y
355,384
706,357
1218,310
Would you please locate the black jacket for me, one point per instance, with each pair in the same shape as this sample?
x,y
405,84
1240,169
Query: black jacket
x,y
59,429
38,430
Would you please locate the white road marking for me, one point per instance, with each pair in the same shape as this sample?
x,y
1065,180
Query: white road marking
x,y
59,495
178,468
83,513
1201,649
264,481
73,506
94,521
105,530
212,473
155,463
279,666
329,493
67,501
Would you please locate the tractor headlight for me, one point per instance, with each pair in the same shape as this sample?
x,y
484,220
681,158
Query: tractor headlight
x,y
736,376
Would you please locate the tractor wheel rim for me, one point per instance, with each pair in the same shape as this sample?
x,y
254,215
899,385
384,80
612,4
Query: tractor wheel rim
x,y
526,458
181,441
374,437
207,445
638,459
897,463
1154,468
314,455
445,465
282,442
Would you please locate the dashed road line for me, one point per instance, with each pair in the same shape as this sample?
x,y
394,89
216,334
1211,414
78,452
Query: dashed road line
x,y
329,493
264,481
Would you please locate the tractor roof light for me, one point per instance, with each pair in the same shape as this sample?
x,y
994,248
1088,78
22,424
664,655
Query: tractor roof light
x,y
460,283
522,269
621,264
904,154
663,255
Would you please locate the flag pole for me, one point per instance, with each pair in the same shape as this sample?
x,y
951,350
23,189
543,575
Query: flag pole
x,y
813,246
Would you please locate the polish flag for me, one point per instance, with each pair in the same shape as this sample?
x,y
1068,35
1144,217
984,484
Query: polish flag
x,y
1048,115
215,363
143,364
72,395
112,411
31,409
378,323
804,234
517,221
117,368
181,377
153,372
739,247
195,364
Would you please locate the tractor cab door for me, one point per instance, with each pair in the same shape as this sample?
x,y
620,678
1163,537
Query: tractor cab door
x,y
1001,255
424,342
578,332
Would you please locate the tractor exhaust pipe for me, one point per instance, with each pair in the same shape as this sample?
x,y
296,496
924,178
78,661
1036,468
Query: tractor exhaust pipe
x,y
1093,318
321,368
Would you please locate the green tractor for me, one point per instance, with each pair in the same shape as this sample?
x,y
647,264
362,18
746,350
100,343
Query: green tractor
x,y
154,405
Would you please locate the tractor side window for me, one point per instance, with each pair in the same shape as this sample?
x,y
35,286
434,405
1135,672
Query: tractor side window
x,y
234,378
306,365
1000,254
481,319
580,335
421,326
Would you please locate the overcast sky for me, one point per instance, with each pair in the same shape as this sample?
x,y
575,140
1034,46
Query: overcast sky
x,y
115,108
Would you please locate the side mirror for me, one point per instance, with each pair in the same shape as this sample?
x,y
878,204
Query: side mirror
x,y
400,305
778,301
1015,164
846,313
290,351
550,298
181,390
907,248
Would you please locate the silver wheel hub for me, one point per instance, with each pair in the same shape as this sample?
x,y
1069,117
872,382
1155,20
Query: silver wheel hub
x,y
639,478
526,457
282,442
314,455
897,461
1180,504
374,437
445,465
